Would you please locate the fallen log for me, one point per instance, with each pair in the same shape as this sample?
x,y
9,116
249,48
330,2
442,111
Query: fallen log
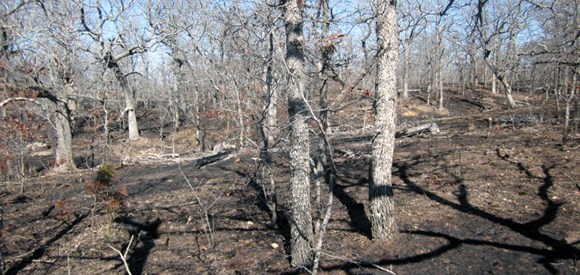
x,y
428,127
211,159
476,102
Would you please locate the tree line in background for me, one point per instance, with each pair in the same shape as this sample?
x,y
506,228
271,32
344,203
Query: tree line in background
x,y
243,62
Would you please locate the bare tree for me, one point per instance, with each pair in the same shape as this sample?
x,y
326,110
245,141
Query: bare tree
x,y
50,74
556,55
382,205
115,38
412,24
498,29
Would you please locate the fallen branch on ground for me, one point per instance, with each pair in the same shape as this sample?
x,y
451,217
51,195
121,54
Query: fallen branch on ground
x,y
428,127
211,159
124,256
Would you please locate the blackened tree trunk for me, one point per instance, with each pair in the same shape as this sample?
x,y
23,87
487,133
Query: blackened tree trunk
x,y
301,220
382,205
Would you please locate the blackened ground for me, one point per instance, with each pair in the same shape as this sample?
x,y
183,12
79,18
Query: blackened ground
x,y
496,192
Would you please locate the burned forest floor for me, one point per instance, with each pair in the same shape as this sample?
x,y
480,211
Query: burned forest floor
x,y
494,192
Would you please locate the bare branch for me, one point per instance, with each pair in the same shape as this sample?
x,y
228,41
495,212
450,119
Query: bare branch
x,y
8,100
124,256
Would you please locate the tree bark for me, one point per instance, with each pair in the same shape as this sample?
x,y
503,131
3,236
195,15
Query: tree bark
x,y
324,63
113,64
64,158
405,93
301,220
271,92
382,205
507,91
1,239
131,114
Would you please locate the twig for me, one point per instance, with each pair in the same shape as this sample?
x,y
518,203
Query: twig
x,y
124,256
382,268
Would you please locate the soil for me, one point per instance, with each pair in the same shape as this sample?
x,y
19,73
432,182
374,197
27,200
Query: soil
x,y
494,192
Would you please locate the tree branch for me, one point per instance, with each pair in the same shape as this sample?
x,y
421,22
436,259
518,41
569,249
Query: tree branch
x,y
8,100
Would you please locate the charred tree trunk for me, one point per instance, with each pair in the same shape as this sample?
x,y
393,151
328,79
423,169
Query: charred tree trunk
x,y
301,220
382,205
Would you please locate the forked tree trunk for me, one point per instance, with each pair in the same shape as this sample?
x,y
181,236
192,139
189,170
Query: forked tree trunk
x,y
129,100
301,220
507,91
382,205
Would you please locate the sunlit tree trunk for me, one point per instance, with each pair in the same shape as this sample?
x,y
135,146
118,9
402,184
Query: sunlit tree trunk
x,y
64,157
271,93
301,220
405,70
113,64
382,205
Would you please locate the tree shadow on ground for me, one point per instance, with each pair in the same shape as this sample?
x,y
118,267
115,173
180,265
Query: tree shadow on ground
x,y
359,220
139,256
39,252
558,249
144,234
279,216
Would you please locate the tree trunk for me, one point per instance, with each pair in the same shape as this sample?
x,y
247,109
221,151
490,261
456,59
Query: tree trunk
x,y
405,70
569,100
64,158
131,114
439,66
129,100
199,135
173,96
240,117
301,220
507,91
382,205
62,121
324,64
440,97
1,239
271,93
493,84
